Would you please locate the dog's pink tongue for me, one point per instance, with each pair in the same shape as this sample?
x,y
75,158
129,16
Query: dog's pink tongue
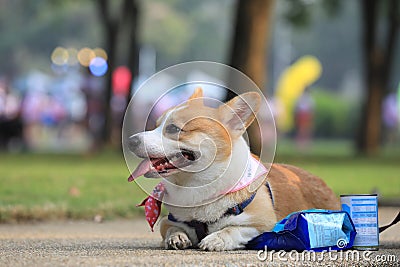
x,y
141,169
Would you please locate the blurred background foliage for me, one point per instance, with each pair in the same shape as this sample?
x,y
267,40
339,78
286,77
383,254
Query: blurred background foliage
x,y
336,117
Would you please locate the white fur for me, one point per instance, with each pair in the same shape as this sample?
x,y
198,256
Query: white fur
x,y
229,238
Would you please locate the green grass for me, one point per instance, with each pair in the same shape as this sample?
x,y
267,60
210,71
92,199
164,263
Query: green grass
x,y
343,171
38,186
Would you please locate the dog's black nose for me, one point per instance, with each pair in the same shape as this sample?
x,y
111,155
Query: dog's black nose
x,y
134,142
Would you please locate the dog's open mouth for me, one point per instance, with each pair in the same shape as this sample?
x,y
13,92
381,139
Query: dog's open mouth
x,y
156,167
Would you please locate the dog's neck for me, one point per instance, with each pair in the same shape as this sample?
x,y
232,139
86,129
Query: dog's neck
x,y
197,188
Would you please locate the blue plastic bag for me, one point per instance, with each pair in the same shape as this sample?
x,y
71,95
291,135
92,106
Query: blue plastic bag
x,y
314,229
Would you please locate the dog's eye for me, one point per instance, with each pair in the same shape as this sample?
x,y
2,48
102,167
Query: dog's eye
x,y
172,129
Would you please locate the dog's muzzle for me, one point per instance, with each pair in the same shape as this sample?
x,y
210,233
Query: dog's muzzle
x,y
134,142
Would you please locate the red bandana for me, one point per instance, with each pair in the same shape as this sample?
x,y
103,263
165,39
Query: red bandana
x,y
152,205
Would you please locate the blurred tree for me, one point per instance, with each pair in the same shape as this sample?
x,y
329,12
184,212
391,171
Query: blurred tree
x,y
299,13
250,38
186,30
166,28
119,19
379,48
249,46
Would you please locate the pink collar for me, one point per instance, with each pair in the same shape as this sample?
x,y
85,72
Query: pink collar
x,y
152,203
254,169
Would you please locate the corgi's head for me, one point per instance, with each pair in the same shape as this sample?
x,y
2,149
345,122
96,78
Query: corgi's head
x,y
193,142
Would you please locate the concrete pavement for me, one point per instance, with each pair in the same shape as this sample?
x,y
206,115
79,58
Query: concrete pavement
x,y
131,243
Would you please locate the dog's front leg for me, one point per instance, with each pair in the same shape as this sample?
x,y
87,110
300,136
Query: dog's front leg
x,y
229,238
176,235
176,239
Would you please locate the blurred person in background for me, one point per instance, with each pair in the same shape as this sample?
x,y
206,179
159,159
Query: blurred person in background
x,y
53,112
92,88
304,120
10,119
390,114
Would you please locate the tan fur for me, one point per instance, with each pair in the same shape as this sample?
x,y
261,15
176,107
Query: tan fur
x,y
217,131
295,189
252,96
198,93
265,220
201,119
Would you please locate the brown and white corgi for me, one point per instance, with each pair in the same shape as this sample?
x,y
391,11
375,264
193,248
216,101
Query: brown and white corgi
x,y
202,156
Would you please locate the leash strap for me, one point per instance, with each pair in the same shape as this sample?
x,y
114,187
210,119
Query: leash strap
x,y
396,220
270,193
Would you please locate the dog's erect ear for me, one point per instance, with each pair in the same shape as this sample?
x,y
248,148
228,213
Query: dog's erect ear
x,y
198,92
240,112
197,97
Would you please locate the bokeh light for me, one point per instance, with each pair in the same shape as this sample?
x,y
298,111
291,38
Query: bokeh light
x,y
59,56
121,80
72,56
100,52
98,66
85,56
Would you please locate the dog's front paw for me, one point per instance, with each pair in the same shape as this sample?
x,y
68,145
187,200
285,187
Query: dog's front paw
x,y
178,240
214,242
